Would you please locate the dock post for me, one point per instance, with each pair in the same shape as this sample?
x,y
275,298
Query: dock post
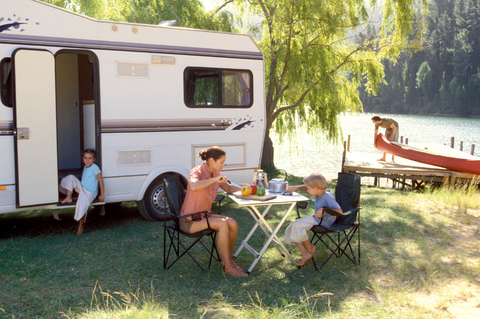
x,y
406,140
344,155
452,142
461,145
348,144
473,149
401,139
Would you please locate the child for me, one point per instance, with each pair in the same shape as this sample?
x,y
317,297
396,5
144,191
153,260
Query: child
x,y
87,189
296,233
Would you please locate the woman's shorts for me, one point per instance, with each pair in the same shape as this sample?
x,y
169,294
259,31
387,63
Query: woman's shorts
x,y
185,225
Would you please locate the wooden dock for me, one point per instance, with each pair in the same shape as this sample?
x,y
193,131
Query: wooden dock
x,y
406,173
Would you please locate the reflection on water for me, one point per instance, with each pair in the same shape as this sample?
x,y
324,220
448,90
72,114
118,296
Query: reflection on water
x,y
309,154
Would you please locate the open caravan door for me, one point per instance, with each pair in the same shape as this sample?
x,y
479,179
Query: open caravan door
x,y
35,124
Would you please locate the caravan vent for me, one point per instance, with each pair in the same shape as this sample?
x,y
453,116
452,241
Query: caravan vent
x,y
133,70
139,157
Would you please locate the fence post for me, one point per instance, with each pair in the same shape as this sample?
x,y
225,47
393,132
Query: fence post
x,y
461,145
348,144
473,149
401,139
406,140
452,142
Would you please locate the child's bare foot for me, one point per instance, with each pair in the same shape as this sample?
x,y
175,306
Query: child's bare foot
x,y
66,200
80,230
306,257
381,159
235,272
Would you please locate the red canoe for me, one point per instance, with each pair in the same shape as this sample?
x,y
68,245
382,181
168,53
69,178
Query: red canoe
x,y
423,156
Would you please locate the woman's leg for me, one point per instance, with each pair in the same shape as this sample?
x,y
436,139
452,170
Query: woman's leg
x,y
233,230
222,227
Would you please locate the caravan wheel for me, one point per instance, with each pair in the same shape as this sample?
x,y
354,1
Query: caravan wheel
x,y
152,206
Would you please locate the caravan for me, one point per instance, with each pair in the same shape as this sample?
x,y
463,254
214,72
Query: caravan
x,y
148,98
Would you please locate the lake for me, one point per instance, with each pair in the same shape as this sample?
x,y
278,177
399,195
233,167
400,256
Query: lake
x,y
310,154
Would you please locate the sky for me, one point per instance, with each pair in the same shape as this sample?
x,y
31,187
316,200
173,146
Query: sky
x,y
209,4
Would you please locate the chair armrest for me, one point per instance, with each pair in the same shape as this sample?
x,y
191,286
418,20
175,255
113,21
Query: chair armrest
x,y
188,215
332,212
351,211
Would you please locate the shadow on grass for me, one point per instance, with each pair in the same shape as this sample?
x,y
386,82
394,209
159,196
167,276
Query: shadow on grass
x,y
41,222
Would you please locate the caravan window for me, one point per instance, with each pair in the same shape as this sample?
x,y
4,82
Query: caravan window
x,y
6,81
218,88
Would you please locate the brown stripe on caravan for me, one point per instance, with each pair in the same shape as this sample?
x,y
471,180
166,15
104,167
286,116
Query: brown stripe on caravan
x,y
6,127
116,126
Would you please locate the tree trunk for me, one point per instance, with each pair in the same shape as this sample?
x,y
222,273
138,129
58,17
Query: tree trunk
x,y
268,151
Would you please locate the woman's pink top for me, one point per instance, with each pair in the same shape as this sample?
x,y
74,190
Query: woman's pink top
x,y
201,200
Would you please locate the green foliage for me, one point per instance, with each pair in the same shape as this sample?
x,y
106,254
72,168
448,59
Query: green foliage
x,y
451,51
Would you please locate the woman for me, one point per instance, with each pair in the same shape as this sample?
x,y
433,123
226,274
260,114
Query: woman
x,y
202,189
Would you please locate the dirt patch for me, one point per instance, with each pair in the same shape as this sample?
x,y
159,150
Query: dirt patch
x,y
457,300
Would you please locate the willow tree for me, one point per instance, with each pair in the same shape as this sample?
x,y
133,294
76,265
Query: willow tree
x,y
317,52
187,13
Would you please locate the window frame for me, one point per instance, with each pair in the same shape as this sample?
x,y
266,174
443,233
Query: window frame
x,y
220,88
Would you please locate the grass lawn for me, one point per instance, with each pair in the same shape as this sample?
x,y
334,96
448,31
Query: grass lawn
x,y
420,259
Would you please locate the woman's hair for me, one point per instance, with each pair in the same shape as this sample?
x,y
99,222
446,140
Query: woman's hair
x,y
315,179
214,152
90,151
376,118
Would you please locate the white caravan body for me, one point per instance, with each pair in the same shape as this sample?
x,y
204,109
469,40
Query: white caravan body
x,y
147,98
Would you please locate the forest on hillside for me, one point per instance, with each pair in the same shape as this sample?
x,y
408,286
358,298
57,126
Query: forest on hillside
x,y
444,77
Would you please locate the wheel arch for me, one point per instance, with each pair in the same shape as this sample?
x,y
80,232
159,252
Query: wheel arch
x,y
182,171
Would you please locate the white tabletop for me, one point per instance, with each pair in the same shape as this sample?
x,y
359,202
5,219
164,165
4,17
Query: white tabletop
x,y
280,199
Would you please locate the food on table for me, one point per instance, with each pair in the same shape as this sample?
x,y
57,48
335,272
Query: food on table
x,y
254,189
261,191
246,190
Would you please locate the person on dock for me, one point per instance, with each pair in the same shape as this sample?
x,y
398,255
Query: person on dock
x,y
391,131
296,232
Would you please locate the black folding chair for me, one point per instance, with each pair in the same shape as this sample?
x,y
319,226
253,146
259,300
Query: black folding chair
x,y
174,196
338,237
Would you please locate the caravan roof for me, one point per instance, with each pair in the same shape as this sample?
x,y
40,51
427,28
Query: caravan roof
x,y
35,22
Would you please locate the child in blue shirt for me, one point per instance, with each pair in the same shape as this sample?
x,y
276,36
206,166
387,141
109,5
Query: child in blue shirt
x,y
87,189
296,232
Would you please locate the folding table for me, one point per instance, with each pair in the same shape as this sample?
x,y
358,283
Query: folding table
x,y
251,206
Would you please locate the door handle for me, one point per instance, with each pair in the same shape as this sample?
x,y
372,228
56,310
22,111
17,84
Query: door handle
x,y
23,133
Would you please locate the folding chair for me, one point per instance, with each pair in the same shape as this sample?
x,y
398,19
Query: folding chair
x,y
219,199
338,238
174,196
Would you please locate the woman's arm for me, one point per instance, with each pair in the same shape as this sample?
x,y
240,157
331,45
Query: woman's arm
x,y
198,185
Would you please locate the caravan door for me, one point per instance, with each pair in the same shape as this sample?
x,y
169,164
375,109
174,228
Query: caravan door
x,y
35,126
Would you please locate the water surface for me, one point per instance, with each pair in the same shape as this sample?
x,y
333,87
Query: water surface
x,y
309,154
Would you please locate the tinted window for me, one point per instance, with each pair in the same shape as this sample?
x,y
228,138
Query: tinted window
x,y
6,82
218,88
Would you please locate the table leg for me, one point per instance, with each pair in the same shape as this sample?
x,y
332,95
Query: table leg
x,y
253,229
260,219
273,236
